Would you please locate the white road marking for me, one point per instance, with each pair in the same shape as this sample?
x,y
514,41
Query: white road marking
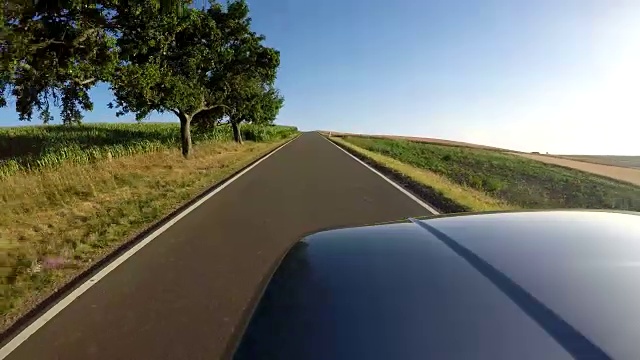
x,y
413,197
60,305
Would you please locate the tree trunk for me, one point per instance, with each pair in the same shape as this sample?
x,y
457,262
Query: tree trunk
x,y
185,134
237,136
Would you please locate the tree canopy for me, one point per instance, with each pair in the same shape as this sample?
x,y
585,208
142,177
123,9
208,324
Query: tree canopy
x,y
157,55
54,52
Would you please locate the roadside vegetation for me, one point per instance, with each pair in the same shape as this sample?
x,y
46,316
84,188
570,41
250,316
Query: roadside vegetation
x,y
508,178
446,195
204,64
71,193
57,221
32,148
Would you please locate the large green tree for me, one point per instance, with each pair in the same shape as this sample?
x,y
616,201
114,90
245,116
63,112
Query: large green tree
x,y
169,59
53,52
186,62
253,102
250,67
268,105
158,55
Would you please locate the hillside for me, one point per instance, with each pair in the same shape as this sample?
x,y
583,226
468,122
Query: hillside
x,y
622,168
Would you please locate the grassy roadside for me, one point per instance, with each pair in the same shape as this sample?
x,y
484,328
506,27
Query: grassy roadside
x,y
463,196
56,223
515,180
29,148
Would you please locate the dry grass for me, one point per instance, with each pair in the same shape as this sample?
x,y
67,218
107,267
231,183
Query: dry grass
x,y
471,198
629,175
56,223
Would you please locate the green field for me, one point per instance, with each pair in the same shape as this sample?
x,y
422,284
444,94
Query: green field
x,y
522,182
37,147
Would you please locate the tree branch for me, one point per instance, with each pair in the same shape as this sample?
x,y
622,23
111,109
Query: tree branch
x,y
75,42
25,66
205,108
84,36
84,82
214,106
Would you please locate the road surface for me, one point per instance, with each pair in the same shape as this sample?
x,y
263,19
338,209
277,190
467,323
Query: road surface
x,y
183,295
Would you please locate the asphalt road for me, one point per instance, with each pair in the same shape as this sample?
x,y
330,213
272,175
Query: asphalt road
x,y
183,295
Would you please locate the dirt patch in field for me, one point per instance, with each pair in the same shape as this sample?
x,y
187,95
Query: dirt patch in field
x,y
611,160
615,172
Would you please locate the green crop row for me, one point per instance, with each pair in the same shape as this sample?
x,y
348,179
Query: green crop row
x,y
519,181
30,148
259,133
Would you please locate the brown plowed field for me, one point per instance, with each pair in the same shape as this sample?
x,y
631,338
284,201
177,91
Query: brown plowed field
x,y
615,172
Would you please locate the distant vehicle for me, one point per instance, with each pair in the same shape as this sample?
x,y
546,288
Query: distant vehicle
x,y
514,285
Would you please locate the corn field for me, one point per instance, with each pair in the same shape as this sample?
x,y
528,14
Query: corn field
x,y
30,148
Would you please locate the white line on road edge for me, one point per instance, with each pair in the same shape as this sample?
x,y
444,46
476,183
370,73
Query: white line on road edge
x,y
64,302
413,197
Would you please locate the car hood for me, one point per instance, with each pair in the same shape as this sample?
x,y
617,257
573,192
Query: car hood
x,y
524,285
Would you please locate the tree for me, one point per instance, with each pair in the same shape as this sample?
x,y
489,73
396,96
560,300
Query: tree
x,y
258,106
185,62
268,105
207,120
255,103
54,51
169,59
249,67
158,55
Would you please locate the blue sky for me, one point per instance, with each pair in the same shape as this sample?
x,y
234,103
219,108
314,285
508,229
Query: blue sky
x,y
561,76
